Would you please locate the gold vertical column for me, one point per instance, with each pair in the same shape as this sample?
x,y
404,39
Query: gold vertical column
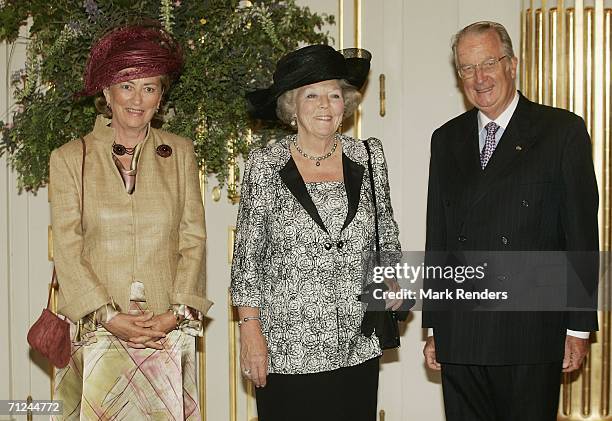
x,y
54,310
201,341
529,82
579,62
596,376
597,134
607,212
29,415
589,107
560,97
600,146
570,59
201,351
539,57
233,366
553,56
51,368
523,53
531,59
545,27
589,55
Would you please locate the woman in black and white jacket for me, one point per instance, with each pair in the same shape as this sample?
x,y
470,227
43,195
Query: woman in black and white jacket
x,y
305,222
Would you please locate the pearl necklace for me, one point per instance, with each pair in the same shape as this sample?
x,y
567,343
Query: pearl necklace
x,y
317,159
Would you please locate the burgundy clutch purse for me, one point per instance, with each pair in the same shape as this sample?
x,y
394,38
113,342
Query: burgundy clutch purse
x,y
50,335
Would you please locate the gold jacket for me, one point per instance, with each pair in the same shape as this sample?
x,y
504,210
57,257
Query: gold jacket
x,y
156,235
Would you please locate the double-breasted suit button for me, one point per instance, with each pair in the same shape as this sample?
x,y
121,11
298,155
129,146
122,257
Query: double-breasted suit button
x,y
462,238
525,204
340,244
504,240
327,246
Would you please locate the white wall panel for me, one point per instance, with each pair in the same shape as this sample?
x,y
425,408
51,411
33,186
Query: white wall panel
x,y
5,366
18,288
219,217
39,276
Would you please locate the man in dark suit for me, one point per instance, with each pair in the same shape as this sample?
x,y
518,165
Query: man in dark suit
x,y
508,175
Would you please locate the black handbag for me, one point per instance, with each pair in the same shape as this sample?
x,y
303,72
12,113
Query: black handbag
x,y
376,319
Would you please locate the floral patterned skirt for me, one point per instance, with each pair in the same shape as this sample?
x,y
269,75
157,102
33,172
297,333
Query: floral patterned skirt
x,y
107,380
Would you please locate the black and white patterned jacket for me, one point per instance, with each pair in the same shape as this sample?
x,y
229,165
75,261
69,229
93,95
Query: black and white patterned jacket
x,y
304,280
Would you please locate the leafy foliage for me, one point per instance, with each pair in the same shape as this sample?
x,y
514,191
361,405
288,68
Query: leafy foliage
x,y
230,47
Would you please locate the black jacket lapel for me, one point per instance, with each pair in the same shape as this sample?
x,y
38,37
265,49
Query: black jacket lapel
x,y
295,183
515,141
466,148
353,177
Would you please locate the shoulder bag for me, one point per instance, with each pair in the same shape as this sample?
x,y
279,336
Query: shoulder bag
x,y
376,319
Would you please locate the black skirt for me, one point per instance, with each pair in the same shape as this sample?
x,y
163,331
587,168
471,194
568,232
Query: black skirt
x,y
345,394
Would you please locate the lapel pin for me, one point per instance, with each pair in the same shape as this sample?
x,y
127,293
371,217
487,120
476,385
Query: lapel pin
x,y
164,150
519,148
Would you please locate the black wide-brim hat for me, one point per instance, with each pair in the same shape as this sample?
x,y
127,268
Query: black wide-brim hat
x,y
307,65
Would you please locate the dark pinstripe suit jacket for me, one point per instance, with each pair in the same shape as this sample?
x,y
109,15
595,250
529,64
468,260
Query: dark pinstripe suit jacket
x,y
538,192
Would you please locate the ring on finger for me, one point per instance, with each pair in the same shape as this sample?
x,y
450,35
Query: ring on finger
x,y
247,371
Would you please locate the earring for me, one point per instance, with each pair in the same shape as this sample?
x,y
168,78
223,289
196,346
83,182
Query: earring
x,y
340,128
294,121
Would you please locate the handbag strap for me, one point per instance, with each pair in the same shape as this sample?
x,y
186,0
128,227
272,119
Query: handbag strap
x,y
83,181
54,281
373,188
54,286
402,313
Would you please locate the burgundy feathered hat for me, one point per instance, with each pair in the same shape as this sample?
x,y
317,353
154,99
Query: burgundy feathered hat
x,y
131,52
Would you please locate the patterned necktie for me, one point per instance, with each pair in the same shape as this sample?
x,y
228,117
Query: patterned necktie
x,y
489,146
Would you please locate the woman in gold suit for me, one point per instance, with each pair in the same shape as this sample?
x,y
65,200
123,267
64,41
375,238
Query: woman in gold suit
x,y
129,241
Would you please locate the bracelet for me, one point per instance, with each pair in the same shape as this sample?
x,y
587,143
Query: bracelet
x,y
246,319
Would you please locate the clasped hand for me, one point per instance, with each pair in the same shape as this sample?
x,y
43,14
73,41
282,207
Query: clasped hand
x,y
393,303
375,291
143,330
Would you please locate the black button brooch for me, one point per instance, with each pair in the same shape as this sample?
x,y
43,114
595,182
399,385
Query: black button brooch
x,y
164,150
